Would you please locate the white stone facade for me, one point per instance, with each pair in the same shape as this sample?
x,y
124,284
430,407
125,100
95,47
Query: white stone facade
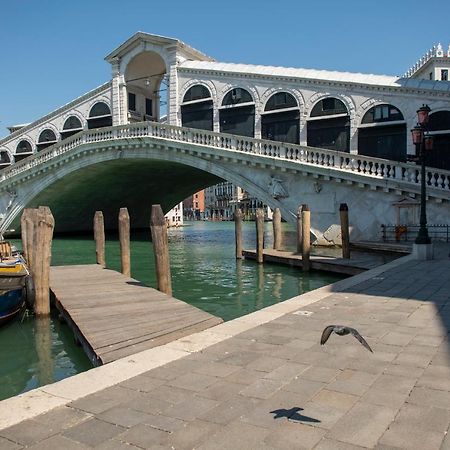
x,y
174,218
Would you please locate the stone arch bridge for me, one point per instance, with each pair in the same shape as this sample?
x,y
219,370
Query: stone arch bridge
x,y
143,163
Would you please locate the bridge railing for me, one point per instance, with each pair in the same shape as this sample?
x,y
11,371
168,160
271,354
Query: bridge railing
x,y
374,168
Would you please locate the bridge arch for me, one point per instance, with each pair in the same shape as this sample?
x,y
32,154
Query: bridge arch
x,y
6,158
328,124
99,114
72,124
24,148
237,112
197,108
280,120
47,136
382,133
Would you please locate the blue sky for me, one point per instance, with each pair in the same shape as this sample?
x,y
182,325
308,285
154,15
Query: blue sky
x,y
52,50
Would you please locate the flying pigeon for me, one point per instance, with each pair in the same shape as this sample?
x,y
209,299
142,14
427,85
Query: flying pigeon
x,y
342,330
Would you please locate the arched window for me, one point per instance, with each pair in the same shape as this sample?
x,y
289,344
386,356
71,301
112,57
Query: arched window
x,y
99,116
197,108
439,128
329,125
280,120
71,126
381,135
237,114
23,150
5,160
46,139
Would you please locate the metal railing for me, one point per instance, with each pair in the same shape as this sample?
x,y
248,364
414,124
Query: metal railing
x,y
373,168
408,233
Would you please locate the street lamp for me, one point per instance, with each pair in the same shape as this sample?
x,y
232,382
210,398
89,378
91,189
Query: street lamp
x,y
424,143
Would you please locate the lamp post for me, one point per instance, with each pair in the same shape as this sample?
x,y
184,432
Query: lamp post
x,y
423,143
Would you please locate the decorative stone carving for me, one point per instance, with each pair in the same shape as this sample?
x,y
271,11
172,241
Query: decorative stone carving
x,y
276,188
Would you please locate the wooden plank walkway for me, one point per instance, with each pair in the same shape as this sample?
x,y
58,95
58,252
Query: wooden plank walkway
x,y
114,316
357,264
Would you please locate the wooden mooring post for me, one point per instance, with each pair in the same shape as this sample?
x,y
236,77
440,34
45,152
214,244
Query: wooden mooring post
x,y
299,230
306,240
238,232
277,236
99,237
124,239
259,219
345,231
161,250
37,234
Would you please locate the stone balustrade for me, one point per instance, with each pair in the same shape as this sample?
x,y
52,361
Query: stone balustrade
x,y
310,158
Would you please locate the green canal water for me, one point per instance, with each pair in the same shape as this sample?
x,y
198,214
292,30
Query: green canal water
x,y
204,274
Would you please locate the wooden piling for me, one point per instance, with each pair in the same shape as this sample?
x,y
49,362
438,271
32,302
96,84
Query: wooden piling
x,y
99,237
299,230
238,232
306,241
44,224
26,229
161,250
124,239
345,231
276,222
259,219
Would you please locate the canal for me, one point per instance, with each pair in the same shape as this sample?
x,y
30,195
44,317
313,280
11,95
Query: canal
x,y
204,274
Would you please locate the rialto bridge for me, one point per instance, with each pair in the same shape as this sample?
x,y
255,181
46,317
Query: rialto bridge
x,y
287,136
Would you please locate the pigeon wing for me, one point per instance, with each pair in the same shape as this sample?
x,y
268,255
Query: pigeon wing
x,y
326,334
360,339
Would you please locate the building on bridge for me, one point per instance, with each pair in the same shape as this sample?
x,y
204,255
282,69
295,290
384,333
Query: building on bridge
x,y
351,112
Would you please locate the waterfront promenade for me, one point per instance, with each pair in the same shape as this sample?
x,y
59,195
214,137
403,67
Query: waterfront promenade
x,y
263,381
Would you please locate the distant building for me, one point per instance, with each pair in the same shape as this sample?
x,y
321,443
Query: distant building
x,y
174,218
222,200
434,65
194,206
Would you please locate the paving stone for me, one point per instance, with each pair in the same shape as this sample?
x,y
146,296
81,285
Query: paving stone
x,y
216,369
430,397
403,371
164,423
413,359
396,338
239,358
237,435
335,399
59,442
190,409
193,381
103,400
93,432
6,444
125,417
304,388
262,388
244,376
286,371
363,425
28,432
322,374
170,394
63,417
292,435
389,390
222,390
192,435
353,382
142,383
328,444
147,403
426,417
114,444
266,364
144,436
231,409
411,437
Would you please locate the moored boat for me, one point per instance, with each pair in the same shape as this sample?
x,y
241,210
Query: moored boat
x,y
14,276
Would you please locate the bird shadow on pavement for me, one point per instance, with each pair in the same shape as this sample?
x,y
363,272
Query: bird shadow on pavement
x,y
293,415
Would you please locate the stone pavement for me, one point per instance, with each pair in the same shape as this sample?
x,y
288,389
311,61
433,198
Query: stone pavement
x,y
274,387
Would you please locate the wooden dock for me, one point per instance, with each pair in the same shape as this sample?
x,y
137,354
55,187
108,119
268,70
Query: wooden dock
x,y
357,264
114,316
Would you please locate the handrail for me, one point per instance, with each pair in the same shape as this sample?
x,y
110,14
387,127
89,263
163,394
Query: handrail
x,y
374,168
